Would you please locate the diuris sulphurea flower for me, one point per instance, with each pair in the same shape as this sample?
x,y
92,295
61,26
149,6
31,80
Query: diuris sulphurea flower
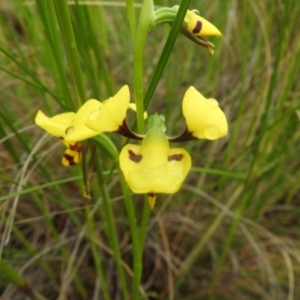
x,y
71,128
153,167
199,26
194,26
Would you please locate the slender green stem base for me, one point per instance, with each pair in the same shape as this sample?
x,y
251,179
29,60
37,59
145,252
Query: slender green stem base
x,y
137,249
113,237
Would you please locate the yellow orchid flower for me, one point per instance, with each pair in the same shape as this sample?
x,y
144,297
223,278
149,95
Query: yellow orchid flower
x,y
198,25
204,118
69,124
92,118
153,167
71,127
195,28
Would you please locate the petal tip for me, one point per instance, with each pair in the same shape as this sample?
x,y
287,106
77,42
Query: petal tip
x,y
39,118
152,200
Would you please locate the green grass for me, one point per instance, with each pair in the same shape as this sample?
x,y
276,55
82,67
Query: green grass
x,y
233,229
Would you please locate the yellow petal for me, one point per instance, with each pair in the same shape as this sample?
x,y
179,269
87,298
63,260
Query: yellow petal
x,y
199,26
56,125
111,114
79,131
204,118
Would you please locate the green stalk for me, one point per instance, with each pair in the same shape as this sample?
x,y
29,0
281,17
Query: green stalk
x,y
137,249
146,21
144,222
106,144
131,18
166,51
113,237
97,257
65,25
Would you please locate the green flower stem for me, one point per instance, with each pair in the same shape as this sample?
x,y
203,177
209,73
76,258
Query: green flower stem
x,y
137,249
11,276
97,258
166,51
144,222
131,18
113,238
66,29
146,21
106,144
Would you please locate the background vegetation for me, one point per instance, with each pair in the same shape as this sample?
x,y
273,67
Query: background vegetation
x,y
232,232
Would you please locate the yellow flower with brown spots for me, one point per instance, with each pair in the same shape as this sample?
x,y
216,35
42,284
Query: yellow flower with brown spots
x,y
153,167
92,118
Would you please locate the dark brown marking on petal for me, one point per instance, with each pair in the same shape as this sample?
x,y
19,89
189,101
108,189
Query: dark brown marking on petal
x,y
198,27
70,159
135,157
76,147
184,137
125,131
152,195
61,138
177,157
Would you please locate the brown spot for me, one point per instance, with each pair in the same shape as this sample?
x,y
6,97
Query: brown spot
x,y
70,159
134,157
198,27
177,157
76,147
151,195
